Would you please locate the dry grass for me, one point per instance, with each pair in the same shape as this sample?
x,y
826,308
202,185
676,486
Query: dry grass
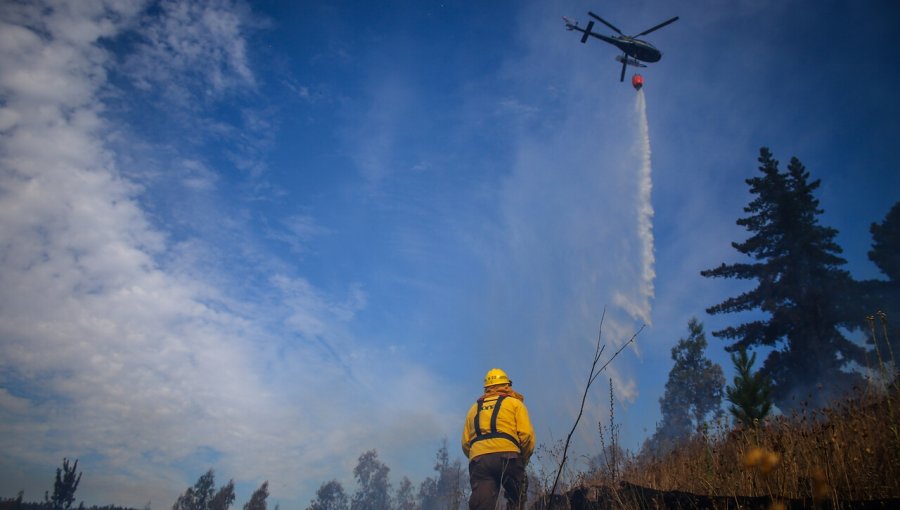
x,y
850,451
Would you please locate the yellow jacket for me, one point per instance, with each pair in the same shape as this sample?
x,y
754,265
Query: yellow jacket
x,y
513,433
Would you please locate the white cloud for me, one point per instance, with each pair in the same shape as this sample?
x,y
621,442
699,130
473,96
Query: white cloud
x,y
193,50
297,231
142,369
197,176
516,108
375,140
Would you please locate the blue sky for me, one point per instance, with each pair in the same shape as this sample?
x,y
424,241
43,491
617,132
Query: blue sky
x,y
266,237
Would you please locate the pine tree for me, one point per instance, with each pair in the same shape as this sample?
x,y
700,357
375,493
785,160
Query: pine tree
x,y
693,392
750,396
801,287
885,252
884,296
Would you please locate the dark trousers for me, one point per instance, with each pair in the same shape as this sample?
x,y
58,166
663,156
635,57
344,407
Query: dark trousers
x,y
487,473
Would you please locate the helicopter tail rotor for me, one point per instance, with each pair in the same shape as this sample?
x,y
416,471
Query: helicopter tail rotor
x,y
587,32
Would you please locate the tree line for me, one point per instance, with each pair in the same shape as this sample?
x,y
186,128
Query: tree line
x,y
63,497
445,490
806,308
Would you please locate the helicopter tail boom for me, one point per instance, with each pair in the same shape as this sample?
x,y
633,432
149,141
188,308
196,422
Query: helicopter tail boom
x,y
586,31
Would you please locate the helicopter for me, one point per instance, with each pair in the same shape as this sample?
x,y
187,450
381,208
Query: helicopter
x,y
636,50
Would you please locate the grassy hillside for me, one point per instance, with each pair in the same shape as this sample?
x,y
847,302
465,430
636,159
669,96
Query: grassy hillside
x,y
850,451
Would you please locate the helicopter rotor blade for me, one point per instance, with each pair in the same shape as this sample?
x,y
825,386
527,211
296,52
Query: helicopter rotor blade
x,y
657,27
601,20
587,32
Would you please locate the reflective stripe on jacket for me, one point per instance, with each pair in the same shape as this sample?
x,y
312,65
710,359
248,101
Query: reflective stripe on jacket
x,y
498,423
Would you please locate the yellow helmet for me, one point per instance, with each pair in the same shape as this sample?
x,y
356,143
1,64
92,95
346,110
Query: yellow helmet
x,y
496,376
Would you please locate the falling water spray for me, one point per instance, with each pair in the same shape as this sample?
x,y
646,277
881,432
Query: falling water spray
x,y
645,209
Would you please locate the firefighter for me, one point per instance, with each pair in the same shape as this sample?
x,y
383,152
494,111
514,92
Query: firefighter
x,y
498,440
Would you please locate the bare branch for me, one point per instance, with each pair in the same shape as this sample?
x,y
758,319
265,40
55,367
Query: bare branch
x,y
592,376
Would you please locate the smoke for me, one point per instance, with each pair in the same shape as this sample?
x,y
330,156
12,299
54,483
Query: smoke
x,y
645,210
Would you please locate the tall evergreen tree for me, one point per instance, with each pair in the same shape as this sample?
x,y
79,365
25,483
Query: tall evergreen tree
x,y
693,392
750,396
884,295
801,287
885,252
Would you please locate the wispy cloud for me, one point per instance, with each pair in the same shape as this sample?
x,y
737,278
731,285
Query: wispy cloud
x,y
192,50
121,345
380,121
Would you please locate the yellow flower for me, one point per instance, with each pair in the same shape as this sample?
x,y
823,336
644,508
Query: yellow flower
x,y
753,457
769,462
761,459
820,487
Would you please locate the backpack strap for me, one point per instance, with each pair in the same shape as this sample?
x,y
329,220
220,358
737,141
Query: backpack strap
x,y
493,432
